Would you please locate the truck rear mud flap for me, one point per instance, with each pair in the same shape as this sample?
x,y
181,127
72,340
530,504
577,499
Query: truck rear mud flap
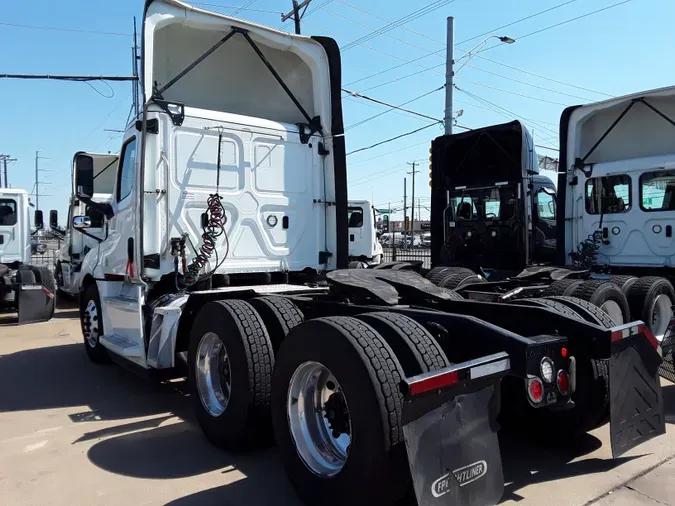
x,y
450,432
636,401
35,303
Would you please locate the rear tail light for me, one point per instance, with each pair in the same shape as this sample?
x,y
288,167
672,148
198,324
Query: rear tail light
x,y
535,390
563,382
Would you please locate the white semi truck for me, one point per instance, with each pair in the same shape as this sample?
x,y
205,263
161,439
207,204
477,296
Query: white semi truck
x,y
26,289
226,240
364,247
78,241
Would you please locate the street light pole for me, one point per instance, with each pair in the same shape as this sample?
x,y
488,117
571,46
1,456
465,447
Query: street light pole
x,y
449,74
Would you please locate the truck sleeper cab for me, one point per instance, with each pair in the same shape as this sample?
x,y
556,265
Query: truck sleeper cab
x,y
226,240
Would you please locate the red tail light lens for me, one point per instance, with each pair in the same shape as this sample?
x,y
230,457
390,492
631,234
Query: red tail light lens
x,y
563,382
535,389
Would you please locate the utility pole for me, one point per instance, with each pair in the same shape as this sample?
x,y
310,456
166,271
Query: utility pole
x,y
449,74
405,212
295,13
37,179
5,160
412,208
134,62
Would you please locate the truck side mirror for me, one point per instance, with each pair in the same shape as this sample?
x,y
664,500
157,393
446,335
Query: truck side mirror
x,y
84,176
81,222
53,219
39,220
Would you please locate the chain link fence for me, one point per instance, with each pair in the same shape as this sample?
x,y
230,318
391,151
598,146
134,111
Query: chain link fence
x,y
45,251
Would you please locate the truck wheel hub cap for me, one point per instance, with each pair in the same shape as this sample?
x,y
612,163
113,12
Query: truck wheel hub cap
x,y
213,374
319,419
91,324
613,309
662,314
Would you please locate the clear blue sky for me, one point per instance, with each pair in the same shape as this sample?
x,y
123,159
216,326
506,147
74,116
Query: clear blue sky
x,y
618,51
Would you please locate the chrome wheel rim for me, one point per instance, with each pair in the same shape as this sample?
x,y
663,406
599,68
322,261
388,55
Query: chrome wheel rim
x,y
613,309
662,314
319,419
214,378
92,324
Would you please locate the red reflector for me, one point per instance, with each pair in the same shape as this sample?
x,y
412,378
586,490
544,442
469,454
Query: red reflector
x,y
535,390
650,335
563,382
113,277
563,352
434,382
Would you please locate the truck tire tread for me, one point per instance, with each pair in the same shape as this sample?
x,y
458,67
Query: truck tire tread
x,y
562,287
279,315
246,420
353,351
414,347
598,291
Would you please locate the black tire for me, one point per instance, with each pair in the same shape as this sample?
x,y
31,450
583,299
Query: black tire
x,y
414,347
588,311
437,274
623,282
58,276
642,297
376,470
591,398
25,276
91,322
599,368
459,277
453,294
599,292
562,287
279,315
550,304
245,421
44,277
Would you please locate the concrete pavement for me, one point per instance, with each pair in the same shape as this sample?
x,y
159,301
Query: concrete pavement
x,y
72,433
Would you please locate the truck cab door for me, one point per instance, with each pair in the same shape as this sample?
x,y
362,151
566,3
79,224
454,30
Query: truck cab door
x,y
544,210
123,225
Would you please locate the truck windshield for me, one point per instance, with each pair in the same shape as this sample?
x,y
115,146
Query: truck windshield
x,y
496,203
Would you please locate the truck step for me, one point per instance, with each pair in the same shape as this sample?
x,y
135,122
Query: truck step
x,y
122,346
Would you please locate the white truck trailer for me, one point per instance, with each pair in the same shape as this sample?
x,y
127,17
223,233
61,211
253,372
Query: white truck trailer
x,y
26,289
227,240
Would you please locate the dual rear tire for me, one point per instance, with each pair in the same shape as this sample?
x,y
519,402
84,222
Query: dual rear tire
x,y
256,367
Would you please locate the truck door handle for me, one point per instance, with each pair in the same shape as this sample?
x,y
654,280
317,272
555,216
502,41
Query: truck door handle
x,y
669,231
351,237
605,233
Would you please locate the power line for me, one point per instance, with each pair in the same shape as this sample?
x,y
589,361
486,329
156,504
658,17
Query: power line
x,y
308,13
512,92
437,4
521,37
59,29
516,22
391,106
526,83
505,112
237,9
352,164
542,77
394,138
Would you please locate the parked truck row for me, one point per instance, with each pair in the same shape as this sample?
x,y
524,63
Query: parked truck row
x,y
220,237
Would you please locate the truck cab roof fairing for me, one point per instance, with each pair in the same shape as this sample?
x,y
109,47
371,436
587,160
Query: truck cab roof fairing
x,y
175,34
487,155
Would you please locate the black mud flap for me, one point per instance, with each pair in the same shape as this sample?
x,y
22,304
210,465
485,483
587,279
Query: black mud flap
x,y
450,432
636,401
35,303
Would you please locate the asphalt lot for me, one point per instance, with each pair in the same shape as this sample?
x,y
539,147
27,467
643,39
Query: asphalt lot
x,y
72,433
